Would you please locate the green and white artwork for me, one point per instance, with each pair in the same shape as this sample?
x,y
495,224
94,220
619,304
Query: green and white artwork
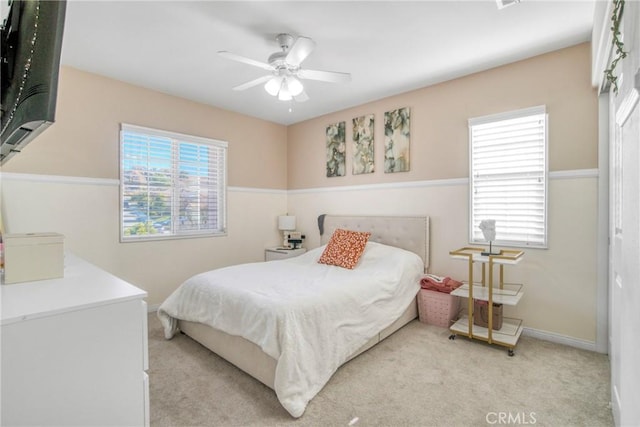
x,y
336,149
396,140
363,144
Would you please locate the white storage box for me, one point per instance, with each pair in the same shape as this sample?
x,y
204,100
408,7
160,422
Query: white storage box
x,y
33,256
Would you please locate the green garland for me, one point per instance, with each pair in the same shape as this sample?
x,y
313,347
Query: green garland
x,y
616,17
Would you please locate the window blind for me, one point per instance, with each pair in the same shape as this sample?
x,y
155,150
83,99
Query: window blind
x,y
171,185
508,177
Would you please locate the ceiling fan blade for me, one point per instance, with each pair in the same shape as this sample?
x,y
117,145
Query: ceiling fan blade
x,y
302,97
324,76
245,60
300,50
253,83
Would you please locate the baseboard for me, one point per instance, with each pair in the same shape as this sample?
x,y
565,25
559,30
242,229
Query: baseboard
x,y
530,332
561,339
152,307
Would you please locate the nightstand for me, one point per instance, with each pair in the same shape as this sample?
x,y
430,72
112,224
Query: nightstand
x,y
272,254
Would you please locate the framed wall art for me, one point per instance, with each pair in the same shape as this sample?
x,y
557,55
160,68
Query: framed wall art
x,y
396,140
336,149
363,145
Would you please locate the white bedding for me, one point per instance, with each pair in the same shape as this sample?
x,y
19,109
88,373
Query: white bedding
x,y
309,317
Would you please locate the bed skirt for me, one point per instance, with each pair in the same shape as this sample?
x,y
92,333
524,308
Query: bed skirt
x,y
251,359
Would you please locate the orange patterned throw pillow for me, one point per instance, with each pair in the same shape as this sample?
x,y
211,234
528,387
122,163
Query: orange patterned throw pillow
x,y
344,248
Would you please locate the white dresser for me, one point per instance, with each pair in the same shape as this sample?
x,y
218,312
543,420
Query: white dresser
x,y
74,350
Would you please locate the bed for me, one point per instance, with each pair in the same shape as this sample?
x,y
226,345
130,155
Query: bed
x,y
295,347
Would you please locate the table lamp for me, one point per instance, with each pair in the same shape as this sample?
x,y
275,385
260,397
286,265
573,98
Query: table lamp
x,y
286,223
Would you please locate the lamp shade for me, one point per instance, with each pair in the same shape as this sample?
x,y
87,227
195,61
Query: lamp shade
x,y
286,222
284,87
273,86
295,86
284,94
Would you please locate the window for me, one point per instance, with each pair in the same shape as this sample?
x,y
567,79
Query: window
x,y
171,185
508,177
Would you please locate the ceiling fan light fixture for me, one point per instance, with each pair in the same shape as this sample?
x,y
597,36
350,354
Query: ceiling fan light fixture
x,y
273,86
295,86
285,72
284,94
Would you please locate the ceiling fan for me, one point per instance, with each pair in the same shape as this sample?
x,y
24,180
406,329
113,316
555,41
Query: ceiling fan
x,y
285,74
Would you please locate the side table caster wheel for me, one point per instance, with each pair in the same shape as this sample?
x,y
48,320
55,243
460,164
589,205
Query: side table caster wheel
x,y
511,353
452,336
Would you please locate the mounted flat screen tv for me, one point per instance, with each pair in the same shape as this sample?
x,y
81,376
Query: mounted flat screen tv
x,y
31,47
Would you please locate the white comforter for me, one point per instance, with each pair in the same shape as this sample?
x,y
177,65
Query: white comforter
x,y
309,317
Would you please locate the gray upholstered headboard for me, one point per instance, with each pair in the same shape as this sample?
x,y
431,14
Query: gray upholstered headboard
x,y
406,232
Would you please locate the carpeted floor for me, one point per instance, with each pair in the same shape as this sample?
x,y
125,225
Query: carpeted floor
x,y
416,377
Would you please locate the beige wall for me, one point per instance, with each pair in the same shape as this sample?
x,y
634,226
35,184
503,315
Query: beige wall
x,y
439,150
561,285
84,140
82,147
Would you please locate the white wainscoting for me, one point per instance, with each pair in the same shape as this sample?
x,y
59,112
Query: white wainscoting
x,y
560,300
86,212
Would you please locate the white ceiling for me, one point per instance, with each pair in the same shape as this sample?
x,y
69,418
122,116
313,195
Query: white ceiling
x,y
389,47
